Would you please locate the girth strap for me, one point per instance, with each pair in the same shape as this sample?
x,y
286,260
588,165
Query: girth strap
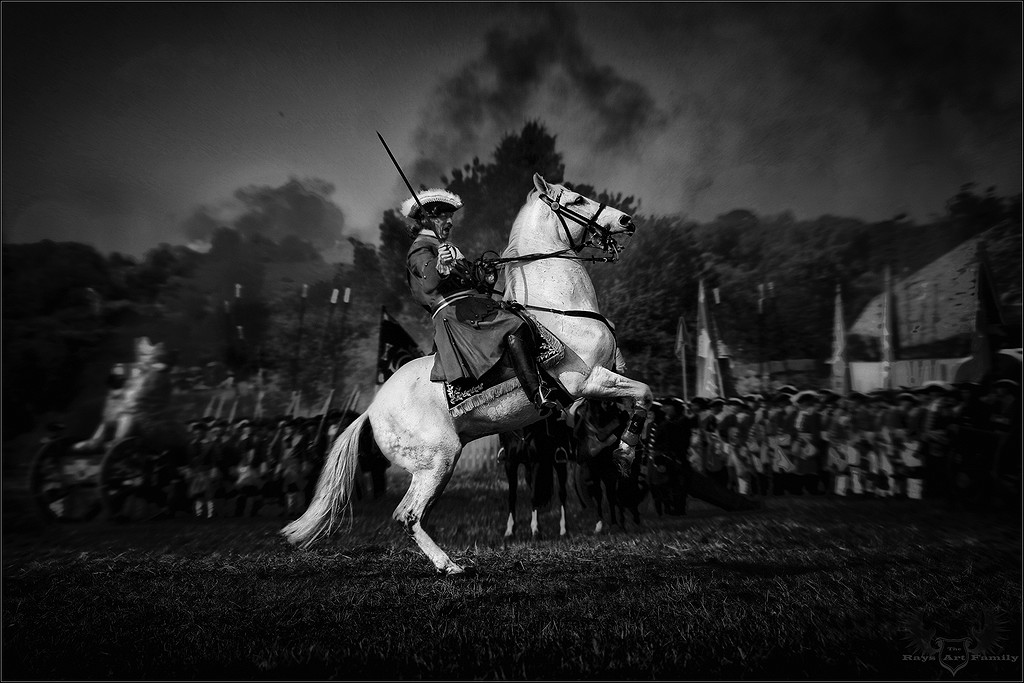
x,y
576,314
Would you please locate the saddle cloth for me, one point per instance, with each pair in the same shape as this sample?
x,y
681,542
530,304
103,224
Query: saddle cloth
x,y
467,394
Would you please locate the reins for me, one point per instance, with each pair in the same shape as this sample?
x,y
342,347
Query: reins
x,y
592,226
607,244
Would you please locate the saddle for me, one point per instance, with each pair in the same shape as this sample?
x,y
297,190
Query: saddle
x,y
464,395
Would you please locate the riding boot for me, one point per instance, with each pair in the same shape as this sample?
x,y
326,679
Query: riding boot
x,y
520,350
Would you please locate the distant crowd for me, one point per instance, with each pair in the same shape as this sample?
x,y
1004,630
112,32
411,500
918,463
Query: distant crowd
x,y
955,442
253,467
960,442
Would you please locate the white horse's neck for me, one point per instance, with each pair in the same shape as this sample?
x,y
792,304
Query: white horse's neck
x,y
552,282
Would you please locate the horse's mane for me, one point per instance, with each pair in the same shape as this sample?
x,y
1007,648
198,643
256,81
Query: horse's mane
x,y
512,250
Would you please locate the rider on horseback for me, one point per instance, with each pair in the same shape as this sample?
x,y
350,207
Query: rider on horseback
x,y
471,329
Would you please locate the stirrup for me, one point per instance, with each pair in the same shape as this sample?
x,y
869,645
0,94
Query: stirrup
x,y
544,401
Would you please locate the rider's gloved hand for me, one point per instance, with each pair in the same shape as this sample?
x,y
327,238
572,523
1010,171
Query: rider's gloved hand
x,y
447,254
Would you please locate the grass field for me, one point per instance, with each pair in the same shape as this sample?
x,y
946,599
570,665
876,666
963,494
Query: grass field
x,y
808,588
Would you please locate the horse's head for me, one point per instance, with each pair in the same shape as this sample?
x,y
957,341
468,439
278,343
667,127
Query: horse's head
x,y
583,221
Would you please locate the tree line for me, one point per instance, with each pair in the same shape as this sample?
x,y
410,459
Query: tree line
x,y
68,308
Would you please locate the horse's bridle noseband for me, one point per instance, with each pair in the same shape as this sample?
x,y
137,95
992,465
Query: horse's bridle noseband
x,y
596,235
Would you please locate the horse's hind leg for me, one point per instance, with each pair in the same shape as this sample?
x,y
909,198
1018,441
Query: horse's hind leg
x,y
561,469
512,475
412,512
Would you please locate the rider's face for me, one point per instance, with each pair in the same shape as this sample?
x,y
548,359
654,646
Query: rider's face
x,y
441,224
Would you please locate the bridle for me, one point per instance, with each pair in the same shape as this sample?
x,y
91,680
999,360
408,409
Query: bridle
x,y
595,235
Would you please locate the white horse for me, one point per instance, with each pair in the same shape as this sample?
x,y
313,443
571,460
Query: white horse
x,y
409,418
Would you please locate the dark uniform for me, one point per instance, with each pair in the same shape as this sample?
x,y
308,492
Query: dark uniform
x,y
469,327
471,330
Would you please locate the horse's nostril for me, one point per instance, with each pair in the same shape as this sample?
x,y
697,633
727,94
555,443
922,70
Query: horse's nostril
x,y
625,221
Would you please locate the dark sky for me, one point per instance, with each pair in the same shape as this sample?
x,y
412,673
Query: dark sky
x,y
130,124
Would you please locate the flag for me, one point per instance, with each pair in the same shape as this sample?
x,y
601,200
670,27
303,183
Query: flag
x,y
395,347
293,405
887,320
840,379
209,406
257,411
708,380
982,357
682,339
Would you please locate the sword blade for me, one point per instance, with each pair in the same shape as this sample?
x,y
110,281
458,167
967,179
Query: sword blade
x,y
400,171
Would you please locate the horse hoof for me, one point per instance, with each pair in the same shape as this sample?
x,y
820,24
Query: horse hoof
x,y
455,571
535,535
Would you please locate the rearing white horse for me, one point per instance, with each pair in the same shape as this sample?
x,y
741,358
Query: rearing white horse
x,y
409,418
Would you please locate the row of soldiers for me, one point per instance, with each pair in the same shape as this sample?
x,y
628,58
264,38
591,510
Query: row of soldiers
x,y
238,467
937,440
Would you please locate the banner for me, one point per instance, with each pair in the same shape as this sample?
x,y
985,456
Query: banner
x,y
682,339
395,347
840,374
886,324
709,383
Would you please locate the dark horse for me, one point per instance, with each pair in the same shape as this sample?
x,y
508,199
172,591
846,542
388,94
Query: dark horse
x,y
543,449
597,426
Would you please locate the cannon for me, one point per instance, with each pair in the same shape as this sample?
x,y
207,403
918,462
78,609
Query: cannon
x,y
132,466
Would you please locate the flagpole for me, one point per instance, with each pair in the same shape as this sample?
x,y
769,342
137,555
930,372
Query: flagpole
x,y
685,396
887,354
713,330
341,326
380,346
330,316
298,341
681,341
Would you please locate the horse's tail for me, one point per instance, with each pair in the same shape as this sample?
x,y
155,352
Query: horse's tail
x,y
331,502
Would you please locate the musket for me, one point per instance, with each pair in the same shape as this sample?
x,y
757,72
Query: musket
x,y
400,171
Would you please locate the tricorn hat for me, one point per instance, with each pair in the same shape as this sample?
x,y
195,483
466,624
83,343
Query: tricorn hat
x,y
1006,384
806,396
936,387
431,200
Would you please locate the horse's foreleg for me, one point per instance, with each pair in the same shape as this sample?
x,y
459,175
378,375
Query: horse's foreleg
x,y
425,489
602,383
534,524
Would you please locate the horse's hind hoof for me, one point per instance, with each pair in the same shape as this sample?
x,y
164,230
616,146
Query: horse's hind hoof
x,y
455,571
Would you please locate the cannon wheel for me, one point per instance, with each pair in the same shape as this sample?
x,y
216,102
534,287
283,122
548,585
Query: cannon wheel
x,y
64,485
127,484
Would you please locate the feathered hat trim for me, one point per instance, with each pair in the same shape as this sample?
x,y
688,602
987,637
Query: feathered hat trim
x,y
451,201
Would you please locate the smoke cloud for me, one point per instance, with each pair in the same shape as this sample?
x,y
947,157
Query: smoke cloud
x,y
299,207
854,109
537,62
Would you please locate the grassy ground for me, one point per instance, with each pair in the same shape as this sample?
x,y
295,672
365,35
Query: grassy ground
x,y
807,588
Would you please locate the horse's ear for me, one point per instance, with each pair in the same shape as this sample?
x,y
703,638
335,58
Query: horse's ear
x,y
541,184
